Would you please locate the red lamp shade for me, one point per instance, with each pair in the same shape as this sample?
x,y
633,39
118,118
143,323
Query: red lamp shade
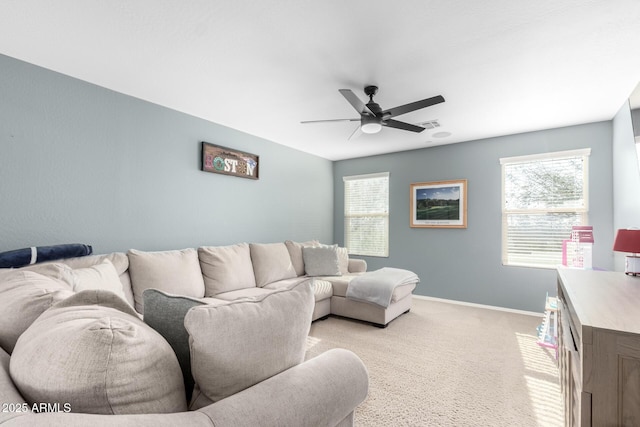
x,y
627,241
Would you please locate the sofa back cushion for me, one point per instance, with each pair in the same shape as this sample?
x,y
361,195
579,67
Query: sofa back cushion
x,y
98,276
177,272
119,260
237,345
94,353
295,253
61,270
226,268
271,262
343,260
52,270
25,295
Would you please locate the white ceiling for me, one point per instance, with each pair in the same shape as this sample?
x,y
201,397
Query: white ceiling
x,y
503,66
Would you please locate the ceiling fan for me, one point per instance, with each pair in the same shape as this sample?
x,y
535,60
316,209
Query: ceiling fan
x,y
373,118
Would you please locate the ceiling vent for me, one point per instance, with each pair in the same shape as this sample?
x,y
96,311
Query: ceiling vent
x,y
430,124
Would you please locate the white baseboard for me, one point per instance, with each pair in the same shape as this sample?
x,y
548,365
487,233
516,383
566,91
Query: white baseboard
x,y
489,307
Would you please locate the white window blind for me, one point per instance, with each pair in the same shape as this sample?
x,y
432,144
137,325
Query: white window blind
x,y
366,214
543,196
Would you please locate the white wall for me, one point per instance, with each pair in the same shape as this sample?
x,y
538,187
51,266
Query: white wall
x,y
626,178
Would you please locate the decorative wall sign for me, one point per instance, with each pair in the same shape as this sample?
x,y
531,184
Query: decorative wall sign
x,y
227,161
440,204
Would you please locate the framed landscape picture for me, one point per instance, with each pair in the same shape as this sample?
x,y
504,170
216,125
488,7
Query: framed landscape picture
x,y
439,204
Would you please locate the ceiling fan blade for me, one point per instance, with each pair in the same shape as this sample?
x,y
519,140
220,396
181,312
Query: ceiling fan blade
x,y
330,120
402,125
356,133
355,102
407,108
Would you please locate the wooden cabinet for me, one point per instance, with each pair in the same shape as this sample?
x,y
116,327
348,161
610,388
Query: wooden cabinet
x,y
599,347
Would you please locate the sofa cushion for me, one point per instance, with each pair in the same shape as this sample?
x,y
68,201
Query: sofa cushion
x,y
237,345
271,262
295,253
226,268
244,294
177,272
99,276
321,261
322,289
25,295
119,260
340,284
287,283
13,404
165,313
343,260
93,352
53,270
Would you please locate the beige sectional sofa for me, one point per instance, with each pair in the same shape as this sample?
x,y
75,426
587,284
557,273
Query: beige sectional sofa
x,y
245,311
227,273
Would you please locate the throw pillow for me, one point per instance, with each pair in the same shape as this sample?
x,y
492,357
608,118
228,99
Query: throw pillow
x,y
165,313
295,253
271,262
25,295
93,352
237,345
226,268
177,272
321,261
99,276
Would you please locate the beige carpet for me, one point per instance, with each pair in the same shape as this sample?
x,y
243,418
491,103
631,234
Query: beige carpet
x,y
450,365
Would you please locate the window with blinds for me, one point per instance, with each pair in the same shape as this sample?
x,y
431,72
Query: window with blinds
x,y
366,214
543,196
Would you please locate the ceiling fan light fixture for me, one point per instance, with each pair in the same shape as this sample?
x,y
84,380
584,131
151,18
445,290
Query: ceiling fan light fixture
x,y
371,127
370,124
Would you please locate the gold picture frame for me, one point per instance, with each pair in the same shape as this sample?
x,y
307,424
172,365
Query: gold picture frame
x,y
439,204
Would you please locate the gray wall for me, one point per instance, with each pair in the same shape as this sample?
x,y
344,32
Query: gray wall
x,y
626,178
80,163
465,264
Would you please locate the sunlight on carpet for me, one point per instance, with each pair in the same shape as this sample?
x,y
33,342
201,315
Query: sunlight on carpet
x,y
444,364
542,381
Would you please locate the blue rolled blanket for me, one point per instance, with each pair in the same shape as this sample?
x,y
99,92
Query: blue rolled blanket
x,y
35,254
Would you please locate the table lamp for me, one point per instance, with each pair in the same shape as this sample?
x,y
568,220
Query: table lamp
x,y
629,241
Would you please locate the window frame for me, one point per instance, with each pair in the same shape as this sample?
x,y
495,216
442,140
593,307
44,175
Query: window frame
x,y
583,211
384,253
